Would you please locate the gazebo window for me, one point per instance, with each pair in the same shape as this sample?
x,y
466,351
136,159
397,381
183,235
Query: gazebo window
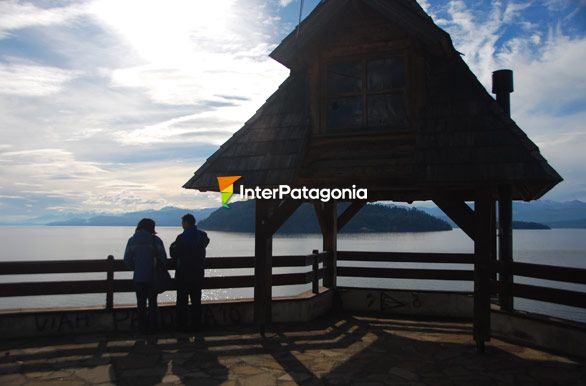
x,y
366,94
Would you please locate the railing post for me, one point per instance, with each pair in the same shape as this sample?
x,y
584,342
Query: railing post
x,y
330,238
506,248
110,281
315,269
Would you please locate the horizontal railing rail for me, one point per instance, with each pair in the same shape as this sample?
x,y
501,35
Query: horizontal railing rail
x,y
545,272
110,285
543,292
117,265
78,287
407,257
406,273
550,295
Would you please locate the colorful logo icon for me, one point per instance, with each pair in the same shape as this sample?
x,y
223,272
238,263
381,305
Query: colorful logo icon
x,y
226,185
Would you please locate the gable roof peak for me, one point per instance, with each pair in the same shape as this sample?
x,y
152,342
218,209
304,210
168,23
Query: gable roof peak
x,y
406,14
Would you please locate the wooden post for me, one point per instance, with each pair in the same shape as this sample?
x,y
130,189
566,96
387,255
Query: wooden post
x,y
110,281
315,270
330,242
482,250
506,248
263,250
493,250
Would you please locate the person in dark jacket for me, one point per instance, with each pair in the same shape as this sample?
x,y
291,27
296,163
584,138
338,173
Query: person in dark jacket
x,y
143,252
189,252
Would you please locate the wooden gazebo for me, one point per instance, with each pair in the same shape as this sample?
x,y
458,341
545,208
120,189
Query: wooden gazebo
x,y
379,98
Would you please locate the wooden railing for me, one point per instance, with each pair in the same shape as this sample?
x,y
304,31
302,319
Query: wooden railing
x,y
540,292
511,289
110,285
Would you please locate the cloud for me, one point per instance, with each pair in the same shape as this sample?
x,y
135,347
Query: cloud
x,y
194,51
206,127
16,15
425,5
284,3
45,164
30,79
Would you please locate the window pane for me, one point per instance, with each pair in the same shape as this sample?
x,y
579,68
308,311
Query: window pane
x,y
344,78
344,112
387,110
384,74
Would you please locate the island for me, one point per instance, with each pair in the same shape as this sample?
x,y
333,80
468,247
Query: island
x,y
372,218
529,225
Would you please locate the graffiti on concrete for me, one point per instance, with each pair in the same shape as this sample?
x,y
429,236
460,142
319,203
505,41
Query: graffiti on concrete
x,y
388,302
384,301
61,322
416,302
126,319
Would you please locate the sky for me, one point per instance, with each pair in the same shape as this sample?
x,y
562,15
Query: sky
x,y
111,105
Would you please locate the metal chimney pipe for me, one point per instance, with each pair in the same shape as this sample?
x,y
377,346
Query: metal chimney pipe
x,y
502,86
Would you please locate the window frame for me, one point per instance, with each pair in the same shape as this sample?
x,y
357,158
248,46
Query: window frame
x,y
364,128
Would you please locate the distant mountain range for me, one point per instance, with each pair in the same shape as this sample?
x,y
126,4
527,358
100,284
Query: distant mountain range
x,y
570,214
168,216
372,218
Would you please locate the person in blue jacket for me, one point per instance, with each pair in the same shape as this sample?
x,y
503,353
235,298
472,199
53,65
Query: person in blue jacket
x,y
143,251
189,253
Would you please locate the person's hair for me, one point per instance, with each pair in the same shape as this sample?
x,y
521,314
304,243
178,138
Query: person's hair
x,y
188,219
146,224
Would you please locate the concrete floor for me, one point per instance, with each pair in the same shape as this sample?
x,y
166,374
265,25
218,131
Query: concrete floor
x,y
338,350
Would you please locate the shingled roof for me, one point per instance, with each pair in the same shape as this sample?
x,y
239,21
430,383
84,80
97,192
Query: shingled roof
x,y
464,140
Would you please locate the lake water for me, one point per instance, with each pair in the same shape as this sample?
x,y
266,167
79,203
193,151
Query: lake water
x,y
564,247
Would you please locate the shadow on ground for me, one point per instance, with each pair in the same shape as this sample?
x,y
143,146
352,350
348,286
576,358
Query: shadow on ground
x,y
342,349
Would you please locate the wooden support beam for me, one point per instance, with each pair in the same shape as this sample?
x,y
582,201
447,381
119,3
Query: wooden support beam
x,y
270,216
318,207
263,250
350,212
281,213
482,253
460,213
505,255
329,215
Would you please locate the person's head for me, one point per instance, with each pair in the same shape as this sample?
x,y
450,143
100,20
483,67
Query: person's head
x,y
146,224
187,221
